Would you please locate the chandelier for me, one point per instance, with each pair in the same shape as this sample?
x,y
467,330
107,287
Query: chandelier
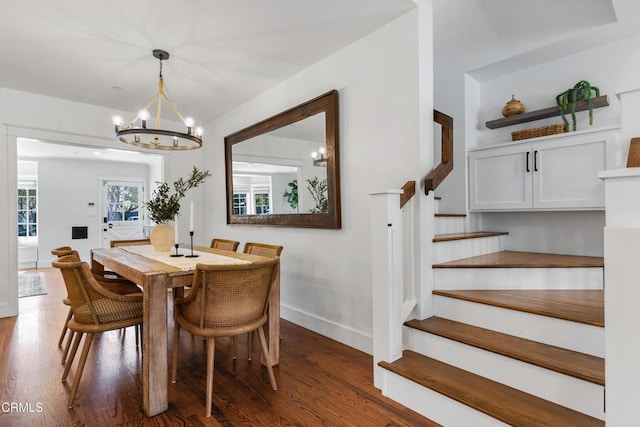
x,y
154,137
319,157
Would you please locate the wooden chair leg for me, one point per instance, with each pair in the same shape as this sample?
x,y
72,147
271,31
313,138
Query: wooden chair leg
x,y
81,363
67,346
64,329
74,349
234,346
174,358
249,345
211,347
267,358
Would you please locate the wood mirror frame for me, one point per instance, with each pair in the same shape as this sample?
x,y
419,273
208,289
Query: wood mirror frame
x,y
327,104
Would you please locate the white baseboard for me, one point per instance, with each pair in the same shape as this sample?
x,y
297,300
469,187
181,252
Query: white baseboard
x,y
341,333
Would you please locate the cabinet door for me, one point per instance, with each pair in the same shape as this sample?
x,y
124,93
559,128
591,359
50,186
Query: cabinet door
x,y
566,173
500,178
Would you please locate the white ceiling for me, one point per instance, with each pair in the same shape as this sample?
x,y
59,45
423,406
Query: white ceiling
x,y
223,52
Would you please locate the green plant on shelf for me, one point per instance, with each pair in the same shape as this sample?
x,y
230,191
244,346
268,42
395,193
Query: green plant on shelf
x,y
581,90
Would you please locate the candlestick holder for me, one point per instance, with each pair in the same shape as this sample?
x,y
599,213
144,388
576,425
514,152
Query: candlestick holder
x,y
176,254
192,255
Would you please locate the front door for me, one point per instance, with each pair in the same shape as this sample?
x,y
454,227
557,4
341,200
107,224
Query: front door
x,y
122,213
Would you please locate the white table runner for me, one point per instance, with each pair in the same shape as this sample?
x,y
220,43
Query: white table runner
x,y
184,264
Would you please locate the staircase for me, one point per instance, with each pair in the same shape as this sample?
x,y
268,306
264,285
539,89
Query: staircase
x,y
516,338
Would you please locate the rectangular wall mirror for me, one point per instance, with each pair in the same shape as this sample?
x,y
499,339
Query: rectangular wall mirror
x,y
284,170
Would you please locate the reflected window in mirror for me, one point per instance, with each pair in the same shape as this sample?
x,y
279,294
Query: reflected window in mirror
x,y
284,170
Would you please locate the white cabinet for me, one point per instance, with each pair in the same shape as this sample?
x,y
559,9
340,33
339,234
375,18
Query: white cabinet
x,y
552,173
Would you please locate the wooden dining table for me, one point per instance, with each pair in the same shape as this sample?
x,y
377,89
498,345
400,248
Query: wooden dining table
x,y
156,278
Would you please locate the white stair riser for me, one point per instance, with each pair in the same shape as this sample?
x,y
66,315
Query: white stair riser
x,y
518,278
466,248
548,330
450,224
436,206
434,405
576,394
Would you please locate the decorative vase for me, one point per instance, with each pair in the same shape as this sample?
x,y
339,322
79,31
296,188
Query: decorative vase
x,y
162,237
513,107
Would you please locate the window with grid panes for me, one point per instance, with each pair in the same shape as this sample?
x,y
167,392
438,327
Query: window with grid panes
x,y
27,209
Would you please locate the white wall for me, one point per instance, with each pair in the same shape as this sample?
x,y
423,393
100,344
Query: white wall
x,y
65,188
613,69
326,284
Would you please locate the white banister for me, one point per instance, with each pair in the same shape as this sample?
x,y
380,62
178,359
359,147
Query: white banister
x,y
622,294
392,274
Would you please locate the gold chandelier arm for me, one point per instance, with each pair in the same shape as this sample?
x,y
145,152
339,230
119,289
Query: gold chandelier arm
x,y
173,106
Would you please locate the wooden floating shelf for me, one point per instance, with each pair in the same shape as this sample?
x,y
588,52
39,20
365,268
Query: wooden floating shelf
x,y
545,113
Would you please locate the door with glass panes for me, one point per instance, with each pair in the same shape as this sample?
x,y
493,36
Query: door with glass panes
x,y
122,211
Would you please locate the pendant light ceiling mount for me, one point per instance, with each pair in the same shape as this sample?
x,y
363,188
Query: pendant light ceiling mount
x,y
157,138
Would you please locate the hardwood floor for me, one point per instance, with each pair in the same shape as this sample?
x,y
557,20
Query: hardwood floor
x,y
320,382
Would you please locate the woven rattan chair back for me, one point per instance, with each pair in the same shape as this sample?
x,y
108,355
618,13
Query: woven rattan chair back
x,y
225,245
262,249
90,301
230,297
133,242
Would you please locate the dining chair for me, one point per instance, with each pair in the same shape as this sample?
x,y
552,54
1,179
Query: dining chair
x,y
95,309
225,301
266,250
226,245
115,285
132,242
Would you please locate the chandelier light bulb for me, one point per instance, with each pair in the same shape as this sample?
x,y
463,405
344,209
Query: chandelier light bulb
x,y
322,151
144,115
117,120
188,122
314,155
199,131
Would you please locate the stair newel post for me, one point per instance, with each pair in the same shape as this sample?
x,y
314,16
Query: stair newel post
x,y
387,278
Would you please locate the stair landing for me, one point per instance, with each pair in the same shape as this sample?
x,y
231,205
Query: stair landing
x,y
514,259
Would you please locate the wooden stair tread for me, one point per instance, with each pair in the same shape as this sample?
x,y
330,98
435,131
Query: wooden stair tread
x,y
568,362
514,259
450,215
504,403
471,235
582,306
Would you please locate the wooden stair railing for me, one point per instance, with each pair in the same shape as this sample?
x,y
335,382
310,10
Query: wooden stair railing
x,y
409,190
440,172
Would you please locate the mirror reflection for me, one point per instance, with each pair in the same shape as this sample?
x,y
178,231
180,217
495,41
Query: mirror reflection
x,y
276,173
283,170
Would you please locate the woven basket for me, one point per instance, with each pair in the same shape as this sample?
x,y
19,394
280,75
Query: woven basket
x,y
536,132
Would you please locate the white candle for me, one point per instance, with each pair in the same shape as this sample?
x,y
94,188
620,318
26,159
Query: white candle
x,y
175,227
191,217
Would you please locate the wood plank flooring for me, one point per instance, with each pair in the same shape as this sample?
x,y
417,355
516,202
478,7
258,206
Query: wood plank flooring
x,y
578,365
584,306
515,259
320,381
504,403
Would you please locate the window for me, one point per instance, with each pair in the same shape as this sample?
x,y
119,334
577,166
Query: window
x,y
239,203
262,203
122,202
27,209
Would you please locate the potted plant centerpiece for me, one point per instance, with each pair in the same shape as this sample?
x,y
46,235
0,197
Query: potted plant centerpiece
x,y
164,206
581,90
